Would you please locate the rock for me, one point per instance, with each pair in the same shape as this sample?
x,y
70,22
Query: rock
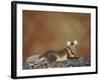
x,y
74,62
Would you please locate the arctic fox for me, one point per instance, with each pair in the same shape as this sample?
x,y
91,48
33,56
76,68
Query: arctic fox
x,y
61,55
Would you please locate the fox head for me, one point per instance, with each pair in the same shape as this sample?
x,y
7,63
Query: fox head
x,y
71,47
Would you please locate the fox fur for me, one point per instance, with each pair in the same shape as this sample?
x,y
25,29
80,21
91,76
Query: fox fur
x,y
60,55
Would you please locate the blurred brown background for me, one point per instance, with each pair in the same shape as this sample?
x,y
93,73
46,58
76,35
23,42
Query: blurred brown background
x,y
44,31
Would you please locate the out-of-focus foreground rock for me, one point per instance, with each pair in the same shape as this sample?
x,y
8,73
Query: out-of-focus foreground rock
x,y
54,64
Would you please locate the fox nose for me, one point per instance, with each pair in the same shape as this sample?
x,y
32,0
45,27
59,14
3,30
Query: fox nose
x,y
72,52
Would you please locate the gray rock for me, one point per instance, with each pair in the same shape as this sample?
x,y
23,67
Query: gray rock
x,y
75,62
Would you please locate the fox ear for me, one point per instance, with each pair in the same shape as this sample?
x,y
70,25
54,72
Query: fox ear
x,y
68,43
76,42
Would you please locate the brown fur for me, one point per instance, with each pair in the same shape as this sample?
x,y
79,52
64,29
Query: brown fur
x,y
61,55
56,55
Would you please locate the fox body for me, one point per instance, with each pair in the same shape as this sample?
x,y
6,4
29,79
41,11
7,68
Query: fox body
x,y
61,55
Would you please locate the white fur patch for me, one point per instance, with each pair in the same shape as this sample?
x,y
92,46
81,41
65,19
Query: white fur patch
x,y
32,58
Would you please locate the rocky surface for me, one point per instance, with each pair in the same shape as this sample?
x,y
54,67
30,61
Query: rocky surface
x,y
54,64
